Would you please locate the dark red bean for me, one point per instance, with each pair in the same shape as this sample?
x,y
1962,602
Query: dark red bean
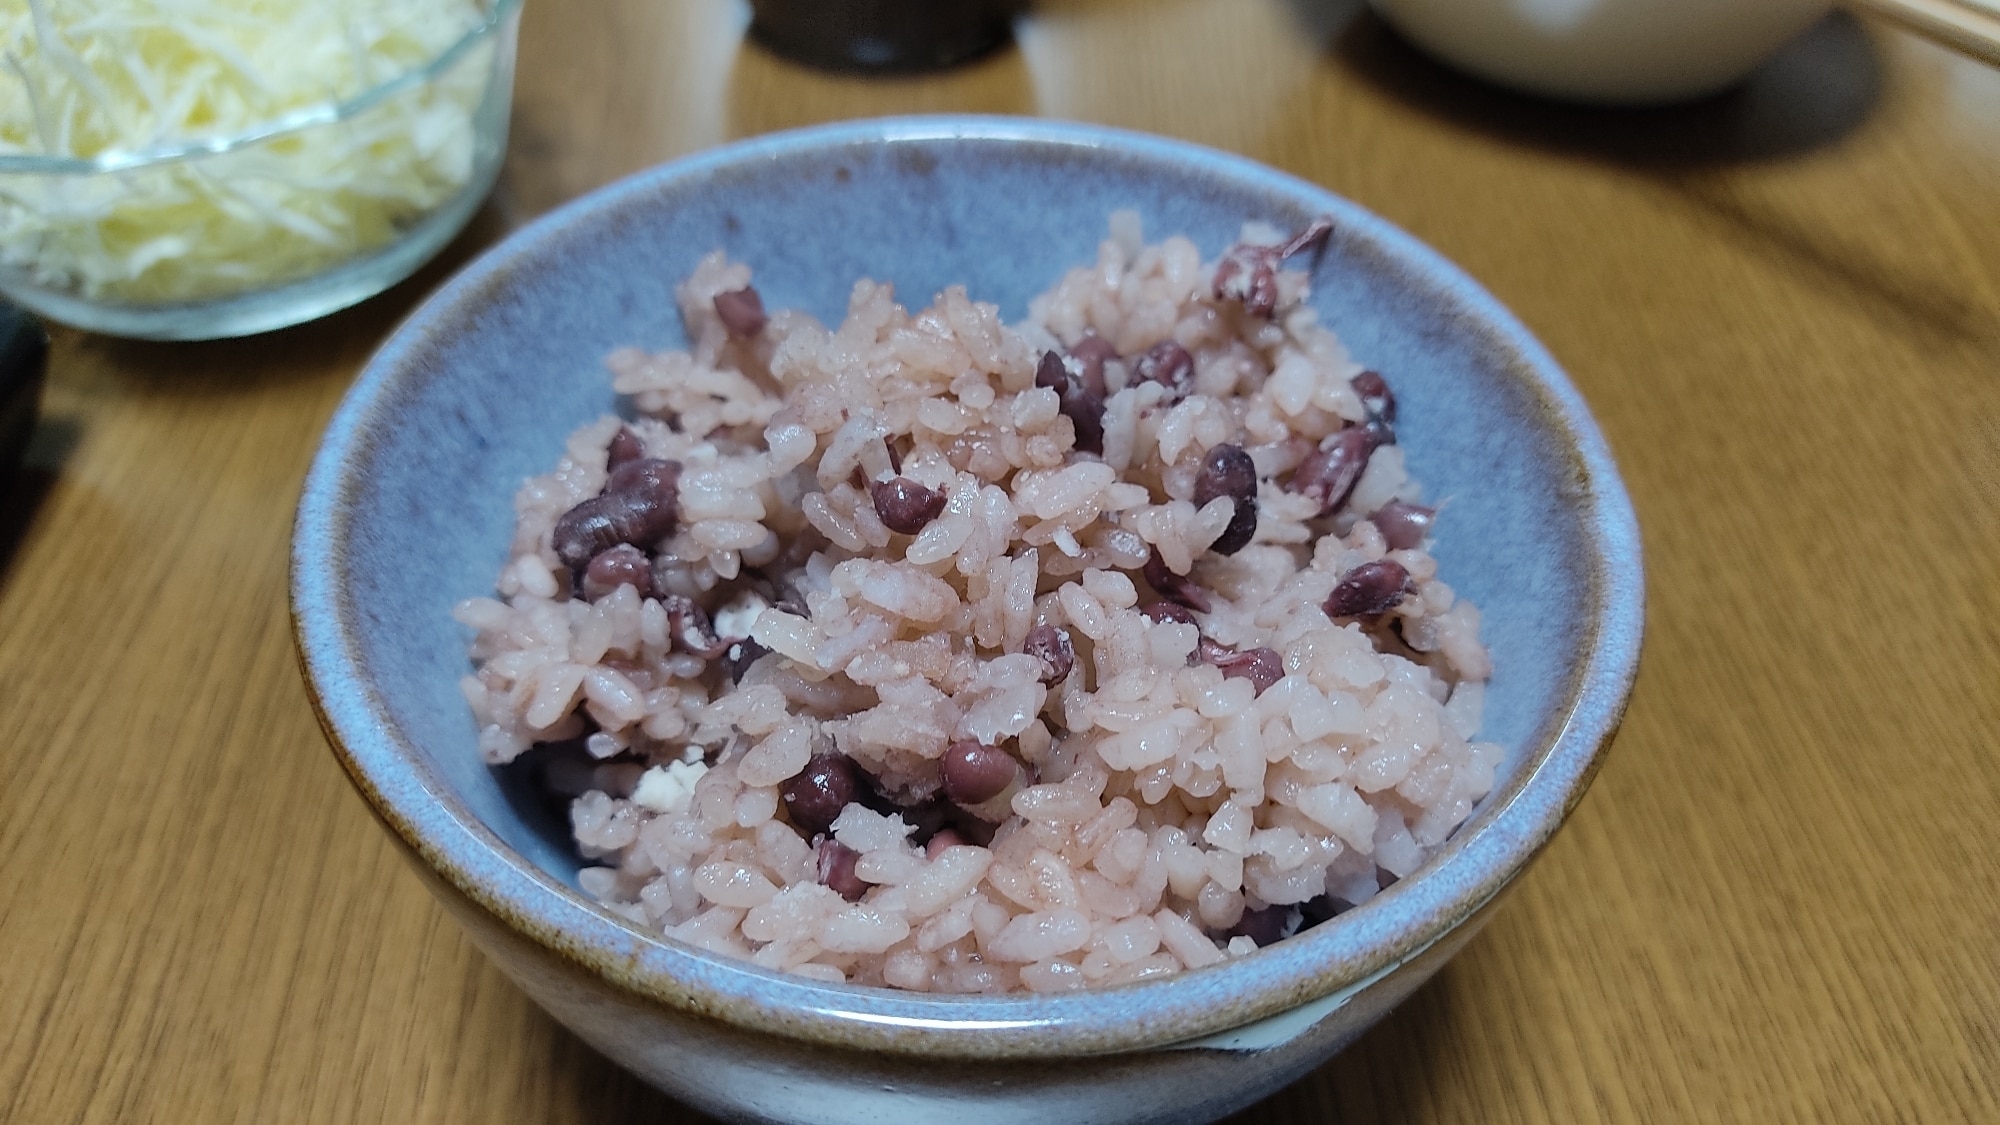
x,y
1084,409
741,656
598,524
940,840
688,626
1261,666
640,505
1052,647
625,447
1169,364
1329,473
742,312
1370,590
1088,356
603,522
1167,611
1086,413
926,814
1403,525
836,870
1376,397
1177,587
1312,237
1242,527
792,602
1225,471
1051,373
648,476
813,799
1249,274
905,505
975,772
623,565
1264,925
1228,471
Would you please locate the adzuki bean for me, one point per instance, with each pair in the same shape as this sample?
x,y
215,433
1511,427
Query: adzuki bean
x,y
1261,666
1370,590
1248,273
975,772
814,797
1329,473
1403,525
622,565
1242,527
1225,471
1167,363
1376,397
640,505
741,656
1084,409
689,627
1177,587
1087,359
1052,647
742,312
940,840
835,862
1052,374
1228,471
625,447
904,505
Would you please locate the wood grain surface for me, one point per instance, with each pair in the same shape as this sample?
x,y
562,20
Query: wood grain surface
x,y
1780,902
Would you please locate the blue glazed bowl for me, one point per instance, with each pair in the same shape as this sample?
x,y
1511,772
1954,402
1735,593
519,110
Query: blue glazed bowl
x,y
408,509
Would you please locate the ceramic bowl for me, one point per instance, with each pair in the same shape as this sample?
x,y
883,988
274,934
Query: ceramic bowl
x,y
408,508
1611,52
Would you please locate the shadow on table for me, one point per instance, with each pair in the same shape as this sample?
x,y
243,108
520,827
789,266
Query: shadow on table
x,y
1815,91
23,490
228,367
601,1091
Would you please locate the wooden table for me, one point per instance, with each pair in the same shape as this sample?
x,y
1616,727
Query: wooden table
x,y
1781,902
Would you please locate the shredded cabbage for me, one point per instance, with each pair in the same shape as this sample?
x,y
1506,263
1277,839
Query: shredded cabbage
x,y
115,79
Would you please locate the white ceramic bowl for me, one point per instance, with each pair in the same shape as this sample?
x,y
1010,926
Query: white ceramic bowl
x,y
1625,52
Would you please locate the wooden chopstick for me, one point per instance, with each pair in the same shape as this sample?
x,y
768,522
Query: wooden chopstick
x,y
1969,26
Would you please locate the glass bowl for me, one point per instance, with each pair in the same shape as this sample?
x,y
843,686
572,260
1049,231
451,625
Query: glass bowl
x,y
306,213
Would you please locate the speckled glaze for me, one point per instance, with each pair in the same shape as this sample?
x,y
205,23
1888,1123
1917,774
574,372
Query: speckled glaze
x,y
408,508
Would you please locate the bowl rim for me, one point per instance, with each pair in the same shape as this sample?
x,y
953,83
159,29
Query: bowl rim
x,y
117,159
1512,824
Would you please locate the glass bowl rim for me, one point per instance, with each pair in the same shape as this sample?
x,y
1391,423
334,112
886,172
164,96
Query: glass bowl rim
x,y
497,12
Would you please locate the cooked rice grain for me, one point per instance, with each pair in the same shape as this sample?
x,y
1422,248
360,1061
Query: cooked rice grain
x,y
1166,814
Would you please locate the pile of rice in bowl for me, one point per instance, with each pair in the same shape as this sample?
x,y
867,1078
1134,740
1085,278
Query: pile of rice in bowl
x,y
950,655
